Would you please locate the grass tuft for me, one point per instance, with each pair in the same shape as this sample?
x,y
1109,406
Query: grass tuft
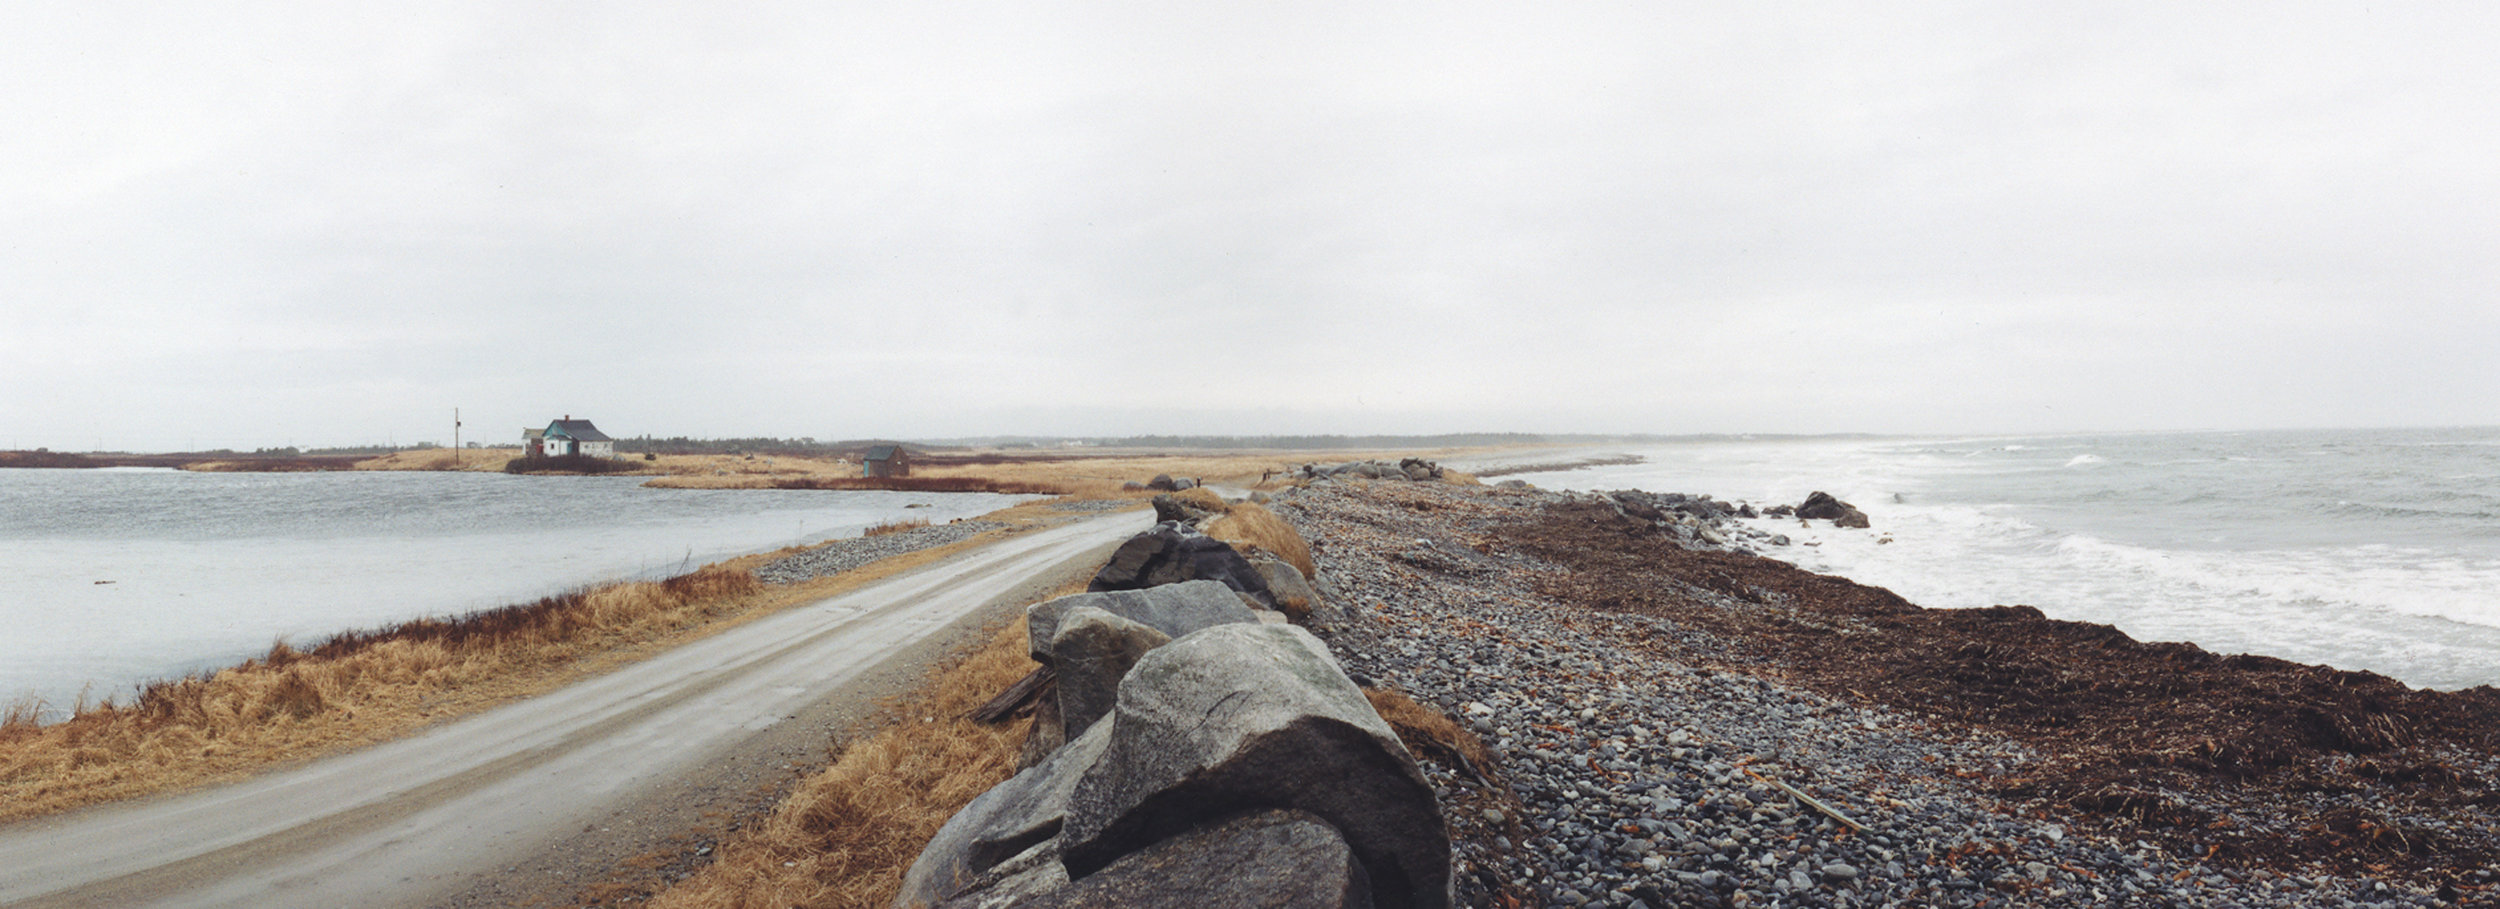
x,y
895,527
1201,497
1252,525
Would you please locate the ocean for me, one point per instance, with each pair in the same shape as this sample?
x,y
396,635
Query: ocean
x,y
2373,550
112,578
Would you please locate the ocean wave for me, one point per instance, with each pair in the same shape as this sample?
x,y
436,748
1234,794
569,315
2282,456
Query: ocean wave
x,y
2412,613
2084,460
2379,510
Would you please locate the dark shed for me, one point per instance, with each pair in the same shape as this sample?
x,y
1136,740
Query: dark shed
x,y
886,461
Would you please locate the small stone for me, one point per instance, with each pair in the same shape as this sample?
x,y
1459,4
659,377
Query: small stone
x,y
1840,871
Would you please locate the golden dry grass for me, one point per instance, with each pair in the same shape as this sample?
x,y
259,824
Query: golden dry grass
x,y
1428,732
1201,497
351,690
478,459
844,837
362,688
1251,525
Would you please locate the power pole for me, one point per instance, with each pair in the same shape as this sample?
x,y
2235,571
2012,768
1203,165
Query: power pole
x,y
455,438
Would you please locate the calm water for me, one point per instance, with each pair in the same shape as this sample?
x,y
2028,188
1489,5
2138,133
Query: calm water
x,y
109,578
2375,550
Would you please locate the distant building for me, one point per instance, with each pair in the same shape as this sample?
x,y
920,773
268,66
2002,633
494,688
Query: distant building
x,y
886,461
566,438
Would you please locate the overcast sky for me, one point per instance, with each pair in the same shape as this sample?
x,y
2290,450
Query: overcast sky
x,y
323,224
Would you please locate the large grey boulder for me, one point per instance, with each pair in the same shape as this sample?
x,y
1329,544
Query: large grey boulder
x,y
1242,717
1256,861
1092,650
1174,609
1014,816
1047,732
1173,552
1014,882
1168,508
1293,594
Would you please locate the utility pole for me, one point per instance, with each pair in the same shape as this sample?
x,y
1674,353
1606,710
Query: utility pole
x,y
455,438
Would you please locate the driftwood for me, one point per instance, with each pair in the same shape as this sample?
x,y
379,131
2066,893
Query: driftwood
x,y
1809,801
1017,701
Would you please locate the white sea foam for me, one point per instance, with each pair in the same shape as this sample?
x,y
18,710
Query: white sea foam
x,y
2219,540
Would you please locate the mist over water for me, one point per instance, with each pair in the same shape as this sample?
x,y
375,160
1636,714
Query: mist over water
x,y
2376,550
111,578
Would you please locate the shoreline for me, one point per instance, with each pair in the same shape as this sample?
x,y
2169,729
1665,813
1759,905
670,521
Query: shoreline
x,y
364,686
1609,666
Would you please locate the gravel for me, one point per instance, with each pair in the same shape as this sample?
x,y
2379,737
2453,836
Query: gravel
x,y
837,556
1628,775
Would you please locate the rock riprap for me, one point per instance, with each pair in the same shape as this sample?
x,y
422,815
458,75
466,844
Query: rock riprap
x,y
1238,762
1174,609
1092,651
1240,717
1173,552
1265,858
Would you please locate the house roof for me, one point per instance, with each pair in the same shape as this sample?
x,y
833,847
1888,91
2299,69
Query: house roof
x,y
577,430
533,433
883,452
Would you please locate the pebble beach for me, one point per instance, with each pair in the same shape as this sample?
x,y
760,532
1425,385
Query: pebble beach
x,y
1640,760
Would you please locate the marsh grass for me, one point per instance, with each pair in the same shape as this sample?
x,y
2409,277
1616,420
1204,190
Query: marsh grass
x,y
363,687
467,459
895,527
351,689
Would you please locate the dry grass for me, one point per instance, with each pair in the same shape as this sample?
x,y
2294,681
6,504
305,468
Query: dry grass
x,y
353,689
895,527
479,459
845,836
1251,525
1095,474
1202,497
365,687
1427,732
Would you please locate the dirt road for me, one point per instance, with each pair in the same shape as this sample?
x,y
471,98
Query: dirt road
x,y
414,822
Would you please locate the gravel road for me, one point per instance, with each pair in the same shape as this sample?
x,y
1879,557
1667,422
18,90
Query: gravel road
x,y
456,808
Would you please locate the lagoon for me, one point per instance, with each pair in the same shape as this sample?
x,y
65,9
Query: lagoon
x,y
113,578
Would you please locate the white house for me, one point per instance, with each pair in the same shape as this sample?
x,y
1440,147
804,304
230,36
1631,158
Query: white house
x,y
568,437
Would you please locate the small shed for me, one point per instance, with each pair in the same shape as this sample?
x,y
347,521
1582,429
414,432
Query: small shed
x,y
571,437
886,461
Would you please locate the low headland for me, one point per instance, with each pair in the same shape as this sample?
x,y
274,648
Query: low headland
x,y
1620,700
1616,700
